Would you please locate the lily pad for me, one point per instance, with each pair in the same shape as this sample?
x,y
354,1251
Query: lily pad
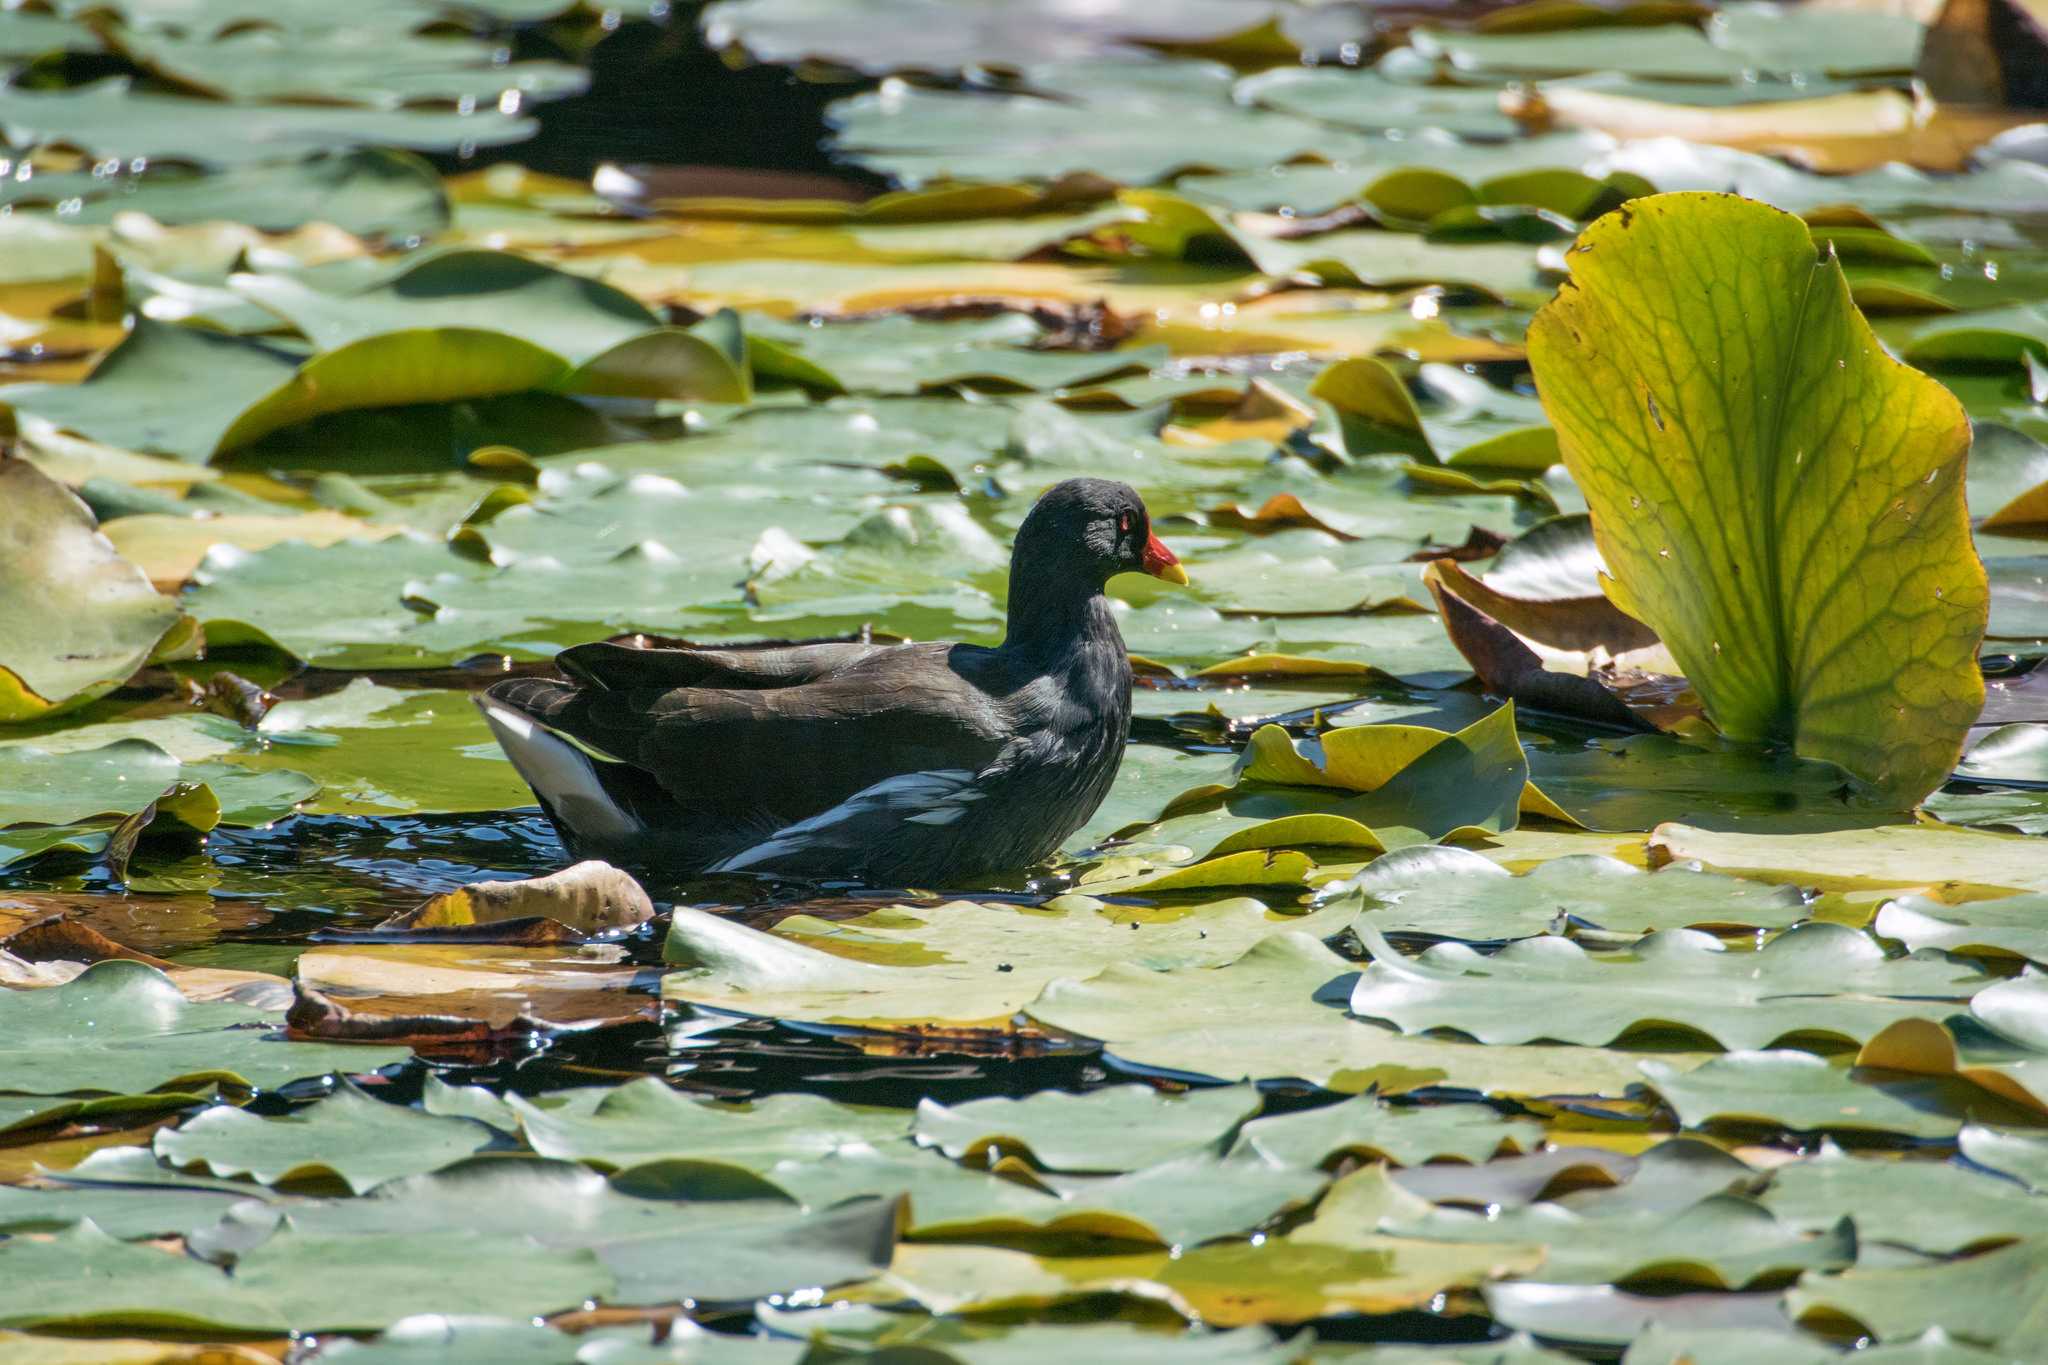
x,y
1820,979
1132,121
1454,893
1276,1014
1934,1207
1373,787
363,1141
645,1121
121,1028
290,1283
882,36
1722,1242
1895,1303
1882,682
901,355
2015,926
109,119
1063,1132
1406,1135
657,1238
963,964
1800,1091
78,620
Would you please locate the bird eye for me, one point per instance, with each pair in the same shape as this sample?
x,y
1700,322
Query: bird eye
x,y
1123,523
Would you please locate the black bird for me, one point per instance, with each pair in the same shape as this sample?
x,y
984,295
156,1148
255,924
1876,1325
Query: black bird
x,y
894,765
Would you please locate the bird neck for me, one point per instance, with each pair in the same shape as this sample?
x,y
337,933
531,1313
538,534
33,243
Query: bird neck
x,y
1051,618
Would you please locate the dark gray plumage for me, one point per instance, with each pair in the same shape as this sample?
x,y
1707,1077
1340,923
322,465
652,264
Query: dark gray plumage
x,y
913,764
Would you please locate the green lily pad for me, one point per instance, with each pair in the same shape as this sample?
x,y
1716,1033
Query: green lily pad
x,y
1835,43
1133,121
651,1231
82,1277
1820,979
1800,1091
457,324
108,119
882,36
363,1141
346,66
1406,1135
1993,1298
599,339
58,789
1722,1242
1933,1207
1478,426
963,964
2011,753
2023,1156
929,566
645,1121
78,620
1120,1128
1366,786
127,1211
2008,479
1671,52
1882,682
71,798
372,192
442,1339
1638,782
121,1028
1369,101
1602,1315
412,600
1275,1013
1453,893
901,355
2000,336
375,750
2015,926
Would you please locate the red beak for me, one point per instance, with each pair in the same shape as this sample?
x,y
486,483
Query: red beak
x,y
1161,562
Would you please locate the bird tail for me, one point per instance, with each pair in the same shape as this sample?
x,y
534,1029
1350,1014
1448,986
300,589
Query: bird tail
x,y
562,773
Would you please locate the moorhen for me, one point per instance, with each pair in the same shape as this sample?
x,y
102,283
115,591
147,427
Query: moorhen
x,y
885,764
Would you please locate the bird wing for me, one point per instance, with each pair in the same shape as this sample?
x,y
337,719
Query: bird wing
x,y
792,752
610,665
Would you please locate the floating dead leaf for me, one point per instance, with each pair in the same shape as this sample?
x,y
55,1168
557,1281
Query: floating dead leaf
x,y
1281,512
1990,52
47,939
465,994
590,897
1834,134
1508,667
1265,413
1480,543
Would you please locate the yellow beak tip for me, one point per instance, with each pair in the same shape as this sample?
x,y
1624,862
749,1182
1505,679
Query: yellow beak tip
x,y
1173,573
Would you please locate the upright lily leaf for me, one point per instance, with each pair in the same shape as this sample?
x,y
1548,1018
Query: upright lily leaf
x,y
1775,496
76,619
